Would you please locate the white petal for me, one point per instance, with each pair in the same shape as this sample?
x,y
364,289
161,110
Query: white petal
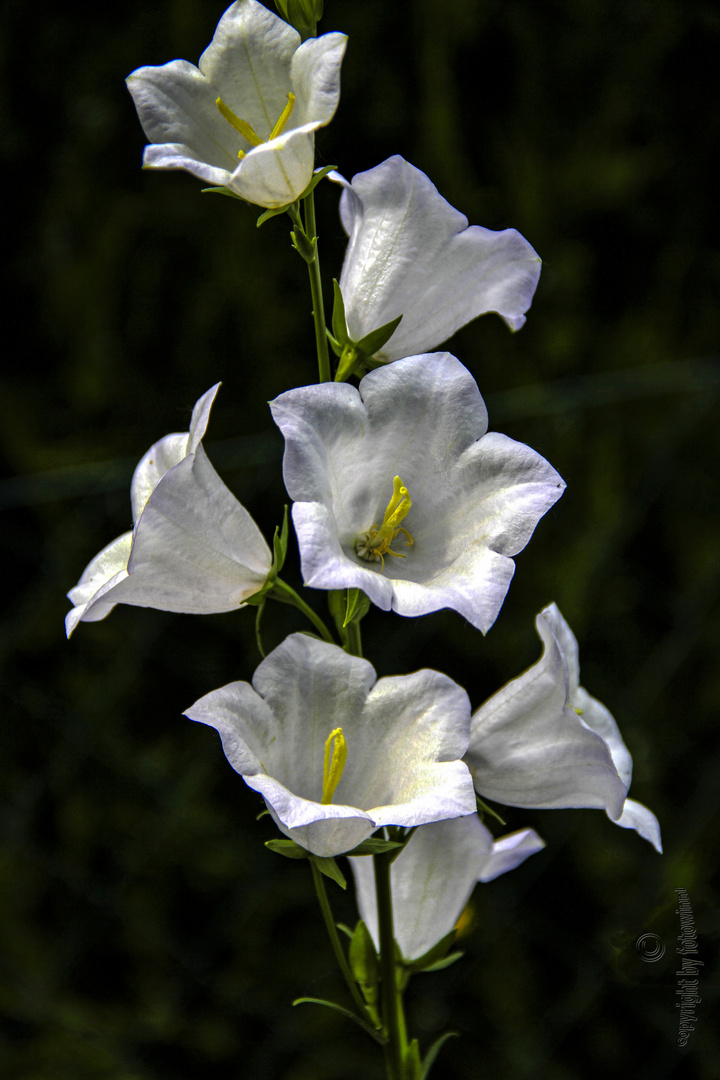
x,y
248,62
510,851
527,748
410,253
277,172
177,110
101,574
431,882
315,77
638,817
168,452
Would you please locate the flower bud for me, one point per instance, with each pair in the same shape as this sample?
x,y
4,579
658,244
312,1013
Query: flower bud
x,y
304,15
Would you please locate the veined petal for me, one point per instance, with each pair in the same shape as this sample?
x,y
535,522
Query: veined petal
x,y
411,253
248,61
168,452
276,172
404,739
433,878
528,748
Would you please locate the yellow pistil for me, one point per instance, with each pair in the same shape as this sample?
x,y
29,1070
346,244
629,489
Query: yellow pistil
x,y
374,544
246,130
334,764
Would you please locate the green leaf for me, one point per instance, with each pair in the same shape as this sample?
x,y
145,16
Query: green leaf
x,y
288,848
439,950
358,605
374,846
364,959
483,808
377,1035
344,929
339,324
375,340
435,1050
271,214
330,869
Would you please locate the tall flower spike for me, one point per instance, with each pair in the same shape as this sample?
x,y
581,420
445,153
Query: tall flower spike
x,y
543,741
391,758
194,548
411,253
434,876
246,117
416,427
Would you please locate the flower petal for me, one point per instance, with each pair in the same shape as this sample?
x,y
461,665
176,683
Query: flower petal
x,y
100,575
411,253
315,77
509,852
643,821
277,172
168,452
527,748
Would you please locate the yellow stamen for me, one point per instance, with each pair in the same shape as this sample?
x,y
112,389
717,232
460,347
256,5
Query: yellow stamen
x,y
242,126
283,118
334,764
246,130
375,543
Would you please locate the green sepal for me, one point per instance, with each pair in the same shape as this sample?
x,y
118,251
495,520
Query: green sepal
x,y
374,846
363,958
446,962
222,191
344,929
375,340
358,605
271,214
329,868
373,1032
438,952
412,1065
483,808
435,1050
288,848
258,634
262,814
302,243
280,544
339,323
350,361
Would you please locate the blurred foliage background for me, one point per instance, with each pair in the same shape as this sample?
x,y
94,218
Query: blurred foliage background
x,y
146,933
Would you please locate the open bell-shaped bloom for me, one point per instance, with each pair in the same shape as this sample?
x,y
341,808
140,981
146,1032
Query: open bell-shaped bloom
x,y
335,753
411,253
543,741
245,118
433,877
194,548
400,490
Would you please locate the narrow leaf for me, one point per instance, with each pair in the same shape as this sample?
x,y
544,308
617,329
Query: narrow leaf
x,y
483,808
330,869
288,848
435,1050
437,952
446,962
358,605
377,1035
339,325
375,340
374,846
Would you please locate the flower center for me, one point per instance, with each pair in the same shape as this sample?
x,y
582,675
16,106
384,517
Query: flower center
x,y
247,131
334,764
374,544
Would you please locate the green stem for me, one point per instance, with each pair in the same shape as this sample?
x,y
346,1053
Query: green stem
x,y
354,639
336,946
321,341
393,1018
285,594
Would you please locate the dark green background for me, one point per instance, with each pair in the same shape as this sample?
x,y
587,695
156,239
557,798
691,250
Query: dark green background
x,y
145,932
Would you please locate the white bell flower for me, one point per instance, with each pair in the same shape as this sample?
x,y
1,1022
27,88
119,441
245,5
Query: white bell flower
x,y
411,253
335,753
433,877
194,548
401,491
245,118
543,741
